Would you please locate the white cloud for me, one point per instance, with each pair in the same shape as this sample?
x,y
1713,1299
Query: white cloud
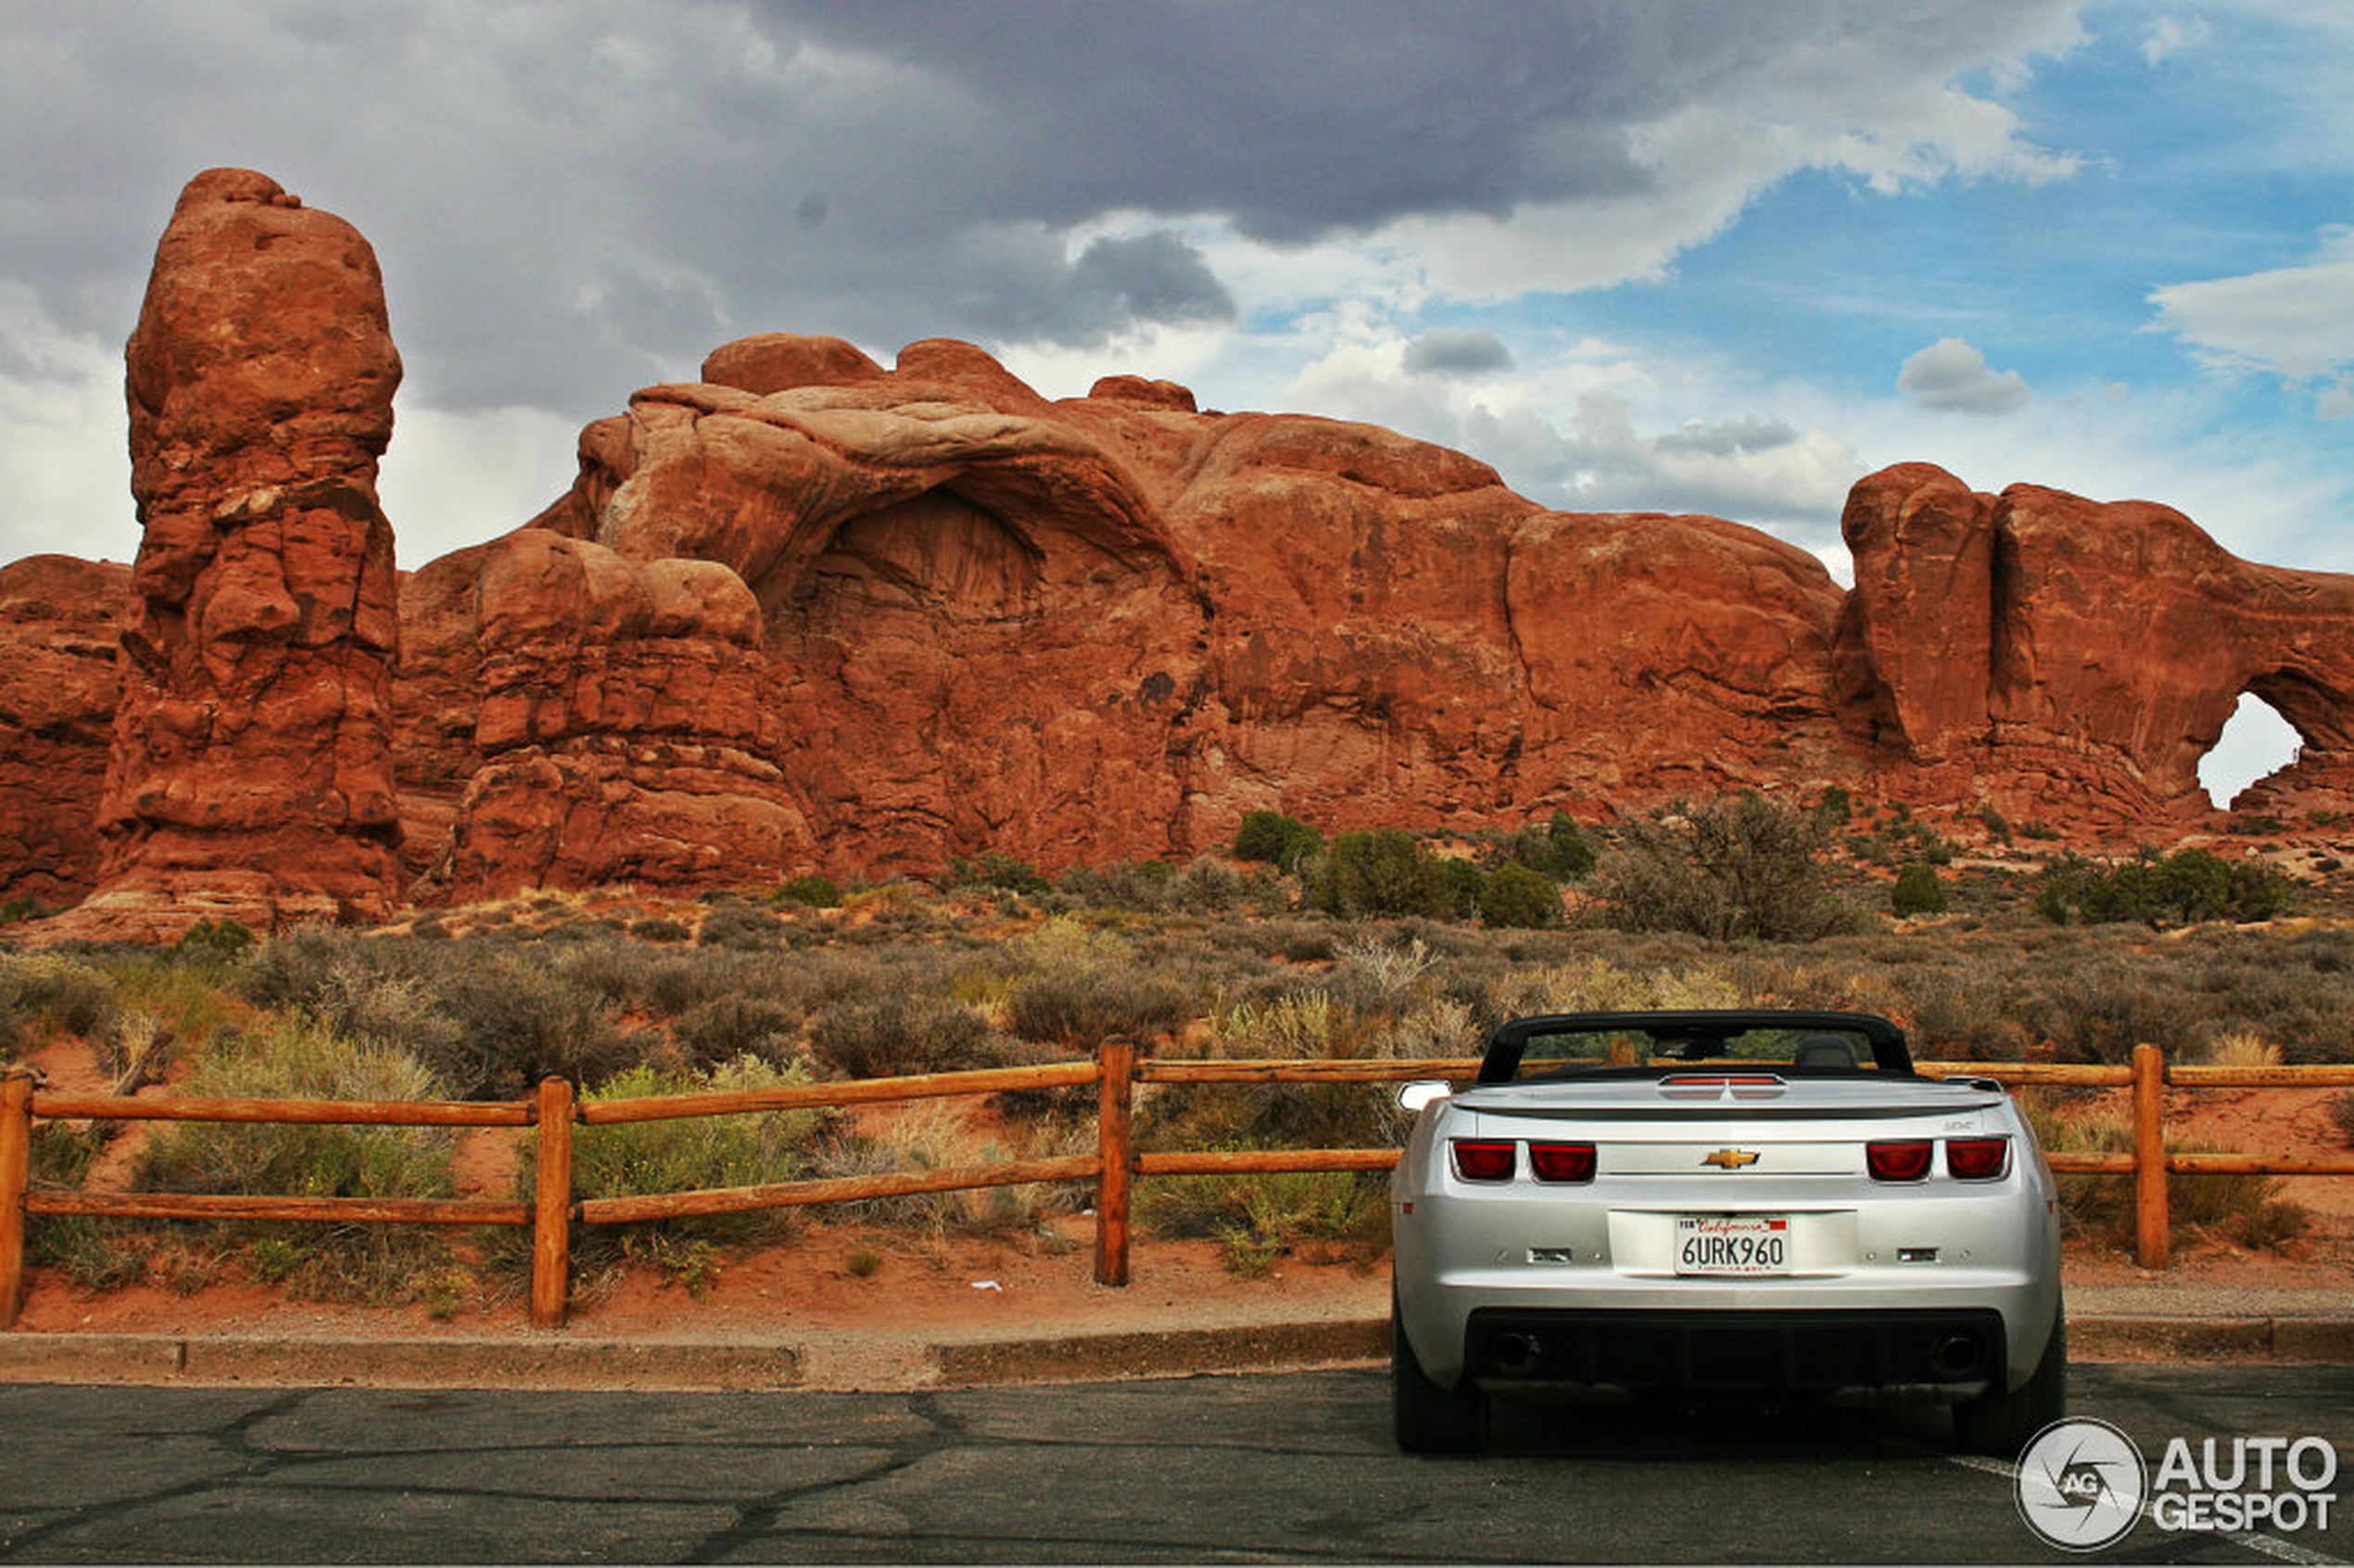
x,y
1587,431
1952,375
2296,322
449,480
64,469
2170,36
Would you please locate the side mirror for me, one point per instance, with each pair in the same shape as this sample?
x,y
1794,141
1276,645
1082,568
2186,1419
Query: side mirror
x,y
1423,1091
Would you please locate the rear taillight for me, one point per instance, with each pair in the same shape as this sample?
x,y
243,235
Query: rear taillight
x,y
1976,1159
1900,1160
1562,1162
1483,1159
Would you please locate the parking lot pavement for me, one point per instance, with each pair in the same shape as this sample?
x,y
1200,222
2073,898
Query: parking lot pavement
x,y
1295,1466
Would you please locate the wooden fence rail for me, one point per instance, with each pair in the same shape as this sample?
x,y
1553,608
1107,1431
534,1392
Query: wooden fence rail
x,y
554,1112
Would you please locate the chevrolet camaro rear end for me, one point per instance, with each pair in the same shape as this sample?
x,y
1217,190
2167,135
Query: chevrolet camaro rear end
x,y
1754,1202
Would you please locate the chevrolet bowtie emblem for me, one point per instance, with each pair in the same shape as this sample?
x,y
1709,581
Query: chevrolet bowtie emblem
x,y
1730,1159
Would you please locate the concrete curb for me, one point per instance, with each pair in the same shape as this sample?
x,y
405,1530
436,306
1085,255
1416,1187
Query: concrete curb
x,y
840,1362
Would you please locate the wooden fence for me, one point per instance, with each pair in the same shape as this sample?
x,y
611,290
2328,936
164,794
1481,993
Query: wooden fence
x,y
554,1112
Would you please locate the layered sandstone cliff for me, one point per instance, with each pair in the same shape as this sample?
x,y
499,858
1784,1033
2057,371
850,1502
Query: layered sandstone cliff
x,y
250,774
814,612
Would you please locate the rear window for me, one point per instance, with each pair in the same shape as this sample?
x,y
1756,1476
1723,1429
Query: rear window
x,y
1788,1050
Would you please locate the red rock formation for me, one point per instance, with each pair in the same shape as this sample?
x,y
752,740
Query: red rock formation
x,y
810,611
251,770
2075,660
57,692
620,726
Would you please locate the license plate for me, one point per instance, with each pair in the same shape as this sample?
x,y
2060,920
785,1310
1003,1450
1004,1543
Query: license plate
x,y
1732,1243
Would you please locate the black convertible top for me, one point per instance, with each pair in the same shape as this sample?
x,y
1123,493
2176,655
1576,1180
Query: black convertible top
x,y
1509,1041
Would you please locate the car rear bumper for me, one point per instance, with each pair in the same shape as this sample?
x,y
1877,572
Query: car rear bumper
x,y
1773,1350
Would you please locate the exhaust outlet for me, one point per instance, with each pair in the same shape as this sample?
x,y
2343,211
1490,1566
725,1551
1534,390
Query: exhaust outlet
x,y
1957,1355
1513,1353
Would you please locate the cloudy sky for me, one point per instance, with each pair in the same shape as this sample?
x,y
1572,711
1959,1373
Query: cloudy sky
x,y
1696,254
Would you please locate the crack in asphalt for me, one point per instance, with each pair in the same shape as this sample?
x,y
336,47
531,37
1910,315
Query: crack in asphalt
x,y
233,1434
760,1520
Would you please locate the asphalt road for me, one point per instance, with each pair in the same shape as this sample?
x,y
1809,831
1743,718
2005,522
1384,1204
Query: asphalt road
x,y
1267,1467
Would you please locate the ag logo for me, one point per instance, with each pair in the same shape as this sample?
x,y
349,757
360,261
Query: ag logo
x,y
2080,1483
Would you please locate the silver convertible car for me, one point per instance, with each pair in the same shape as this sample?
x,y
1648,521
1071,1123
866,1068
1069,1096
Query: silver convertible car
x,y
1764,1204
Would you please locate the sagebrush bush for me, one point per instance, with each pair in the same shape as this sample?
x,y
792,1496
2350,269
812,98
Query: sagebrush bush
x,y
740,925
294,1057
730,1026
516,1020
1077,988
1257,1217
899,1032
45,995
689,1153
2245,1209
1740,868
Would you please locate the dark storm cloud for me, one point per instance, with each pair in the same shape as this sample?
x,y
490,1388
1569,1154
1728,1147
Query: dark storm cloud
x,y
1457,351
573,199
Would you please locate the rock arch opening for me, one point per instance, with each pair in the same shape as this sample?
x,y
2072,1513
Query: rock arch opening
x,y
2257,741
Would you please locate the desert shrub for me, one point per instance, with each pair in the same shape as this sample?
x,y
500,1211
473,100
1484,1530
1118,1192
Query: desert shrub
x,y
739,927
727,1027
995,868
516,1020
24,907
40,997
1741,866
215,941
1558,849
814,889
1385,872
289,966
1258,1218
898,1033
294,1057
2245,1209
1918,891
1140,885
1083,1005
660,928
1378,973
1276,839
2342,1116
2183,888
95,1254
1077,988
689,1153
1518,898
2241,1048
1204,886
929,1135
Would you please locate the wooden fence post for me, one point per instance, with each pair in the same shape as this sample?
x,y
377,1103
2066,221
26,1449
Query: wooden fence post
x,y
2151,1227
1114,1094
16,1160
551,1209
